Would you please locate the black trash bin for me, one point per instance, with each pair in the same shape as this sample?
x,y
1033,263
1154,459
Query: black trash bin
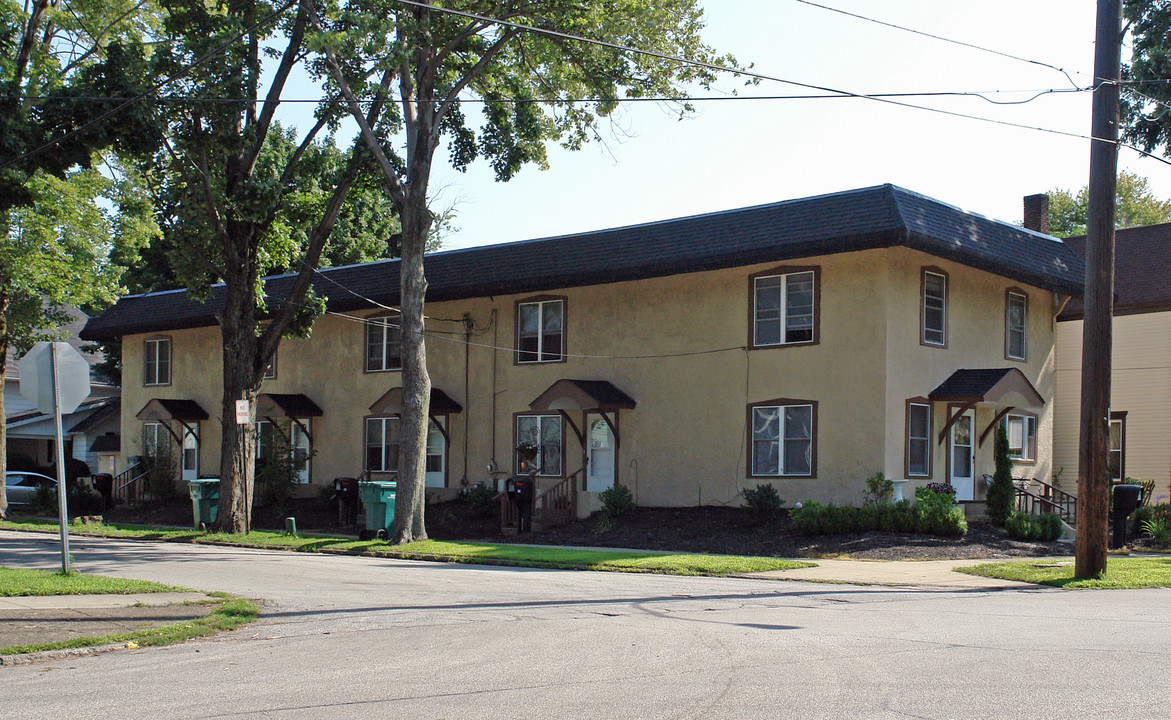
x,y
345,491
521,491
104,484
1126,501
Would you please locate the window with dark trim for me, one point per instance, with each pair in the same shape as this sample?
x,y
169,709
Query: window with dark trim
x,y
286,441
784,308
918,439
154,438
157,361
933,310
383,344
1016,320
542,433
1021,430
784,438
1116,450
382,444
270,371
540,331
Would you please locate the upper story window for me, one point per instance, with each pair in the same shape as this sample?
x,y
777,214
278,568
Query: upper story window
x,y
918,439
540,331
1016,315
934,308
784,438
157,361
1022,436
784,308
270,371
383,344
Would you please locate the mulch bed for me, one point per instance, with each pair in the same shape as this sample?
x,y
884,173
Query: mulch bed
x,y
707,529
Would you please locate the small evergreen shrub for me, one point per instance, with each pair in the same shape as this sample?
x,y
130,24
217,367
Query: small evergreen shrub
x,y
902,517
617,501
1045,527
482,500
1001,495
763,501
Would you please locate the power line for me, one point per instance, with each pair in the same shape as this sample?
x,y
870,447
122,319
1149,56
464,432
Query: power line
x,y
982,94
945,39
749,73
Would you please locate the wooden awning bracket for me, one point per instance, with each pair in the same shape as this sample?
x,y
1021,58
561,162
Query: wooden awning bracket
x,y
955,418
999,416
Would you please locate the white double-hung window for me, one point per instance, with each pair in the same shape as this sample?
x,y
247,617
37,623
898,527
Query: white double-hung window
x,y
784,309
934,309
783,439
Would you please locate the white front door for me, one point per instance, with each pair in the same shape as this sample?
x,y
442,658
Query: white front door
x,y
190,456
436,472
600,466
963,457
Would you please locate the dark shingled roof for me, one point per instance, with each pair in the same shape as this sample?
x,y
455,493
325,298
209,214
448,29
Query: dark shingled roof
x,y
875,217
293,405
991,385
111,408
108,443
168,408
1142,271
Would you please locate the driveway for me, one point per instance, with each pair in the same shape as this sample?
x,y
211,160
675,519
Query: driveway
x,y
358,637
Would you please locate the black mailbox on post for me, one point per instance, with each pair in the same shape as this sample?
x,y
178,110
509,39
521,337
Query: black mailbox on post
x,y
521,492
345,489
1126,501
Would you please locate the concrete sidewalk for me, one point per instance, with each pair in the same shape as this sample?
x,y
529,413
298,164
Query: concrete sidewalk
x,y
933,573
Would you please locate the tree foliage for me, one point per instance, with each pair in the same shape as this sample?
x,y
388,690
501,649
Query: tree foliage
x,y
535,85
1136,206
1145,121
241,197
63,224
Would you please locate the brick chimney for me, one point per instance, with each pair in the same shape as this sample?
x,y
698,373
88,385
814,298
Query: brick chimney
x,y
1037,213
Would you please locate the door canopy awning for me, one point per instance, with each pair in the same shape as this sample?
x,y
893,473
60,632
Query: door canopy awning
x,y
997,387
582,395
165,410
286,405
391,403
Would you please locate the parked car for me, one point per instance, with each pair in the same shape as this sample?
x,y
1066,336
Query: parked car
x,y
22,486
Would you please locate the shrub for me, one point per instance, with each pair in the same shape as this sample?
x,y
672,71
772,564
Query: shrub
x,y
617,501
763,501
160,478
1045,527
879,490
902,517
279,475
1150,512
1158,529
482,500
1001,495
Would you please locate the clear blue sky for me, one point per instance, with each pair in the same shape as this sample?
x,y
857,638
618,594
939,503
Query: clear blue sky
x,y
740,153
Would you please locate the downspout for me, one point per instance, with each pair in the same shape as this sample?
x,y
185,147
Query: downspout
x,y
467,391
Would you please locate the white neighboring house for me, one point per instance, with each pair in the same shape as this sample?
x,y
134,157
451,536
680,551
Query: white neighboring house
x,y
91,431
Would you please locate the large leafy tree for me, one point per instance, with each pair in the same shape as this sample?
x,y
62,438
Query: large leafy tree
x,y
1136,206
59,217
241,197
536,85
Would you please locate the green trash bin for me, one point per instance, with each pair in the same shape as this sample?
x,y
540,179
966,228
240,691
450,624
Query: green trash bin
x,y
205,500
378,497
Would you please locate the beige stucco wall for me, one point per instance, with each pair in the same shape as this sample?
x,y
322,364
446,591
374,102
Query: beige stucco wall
x,y
677,346
1140,386
975,339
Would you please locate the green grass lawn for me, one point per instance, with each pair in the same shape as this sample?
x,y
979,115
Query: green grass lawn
x,y
1121,573
231,613
459,552
20,583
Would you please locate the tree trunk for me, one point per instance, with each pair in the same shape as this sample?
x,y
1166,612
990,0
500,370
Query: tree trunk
x,y
238,446
409,524
3,410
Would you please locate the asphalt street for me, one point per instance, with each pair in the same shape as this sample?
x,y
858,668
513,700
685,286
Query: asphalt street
x,y
348,637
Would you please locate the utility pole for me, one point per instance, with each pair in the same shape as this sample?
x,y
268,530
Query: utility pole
x,y
1097,328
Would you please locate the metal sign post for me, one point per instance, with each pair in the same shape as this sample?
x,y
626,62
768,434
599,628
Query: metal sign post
x,y
55,378
62,491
